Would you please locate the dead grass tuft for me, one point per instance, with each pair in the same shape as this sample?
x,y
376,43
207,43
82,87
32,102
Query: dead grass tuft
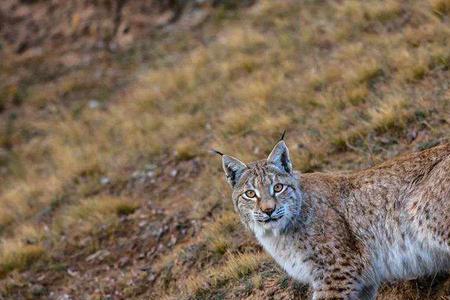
x,y
218,233
366,71
20,258
383,12
238,266
186,149
235,267
18,253
441,7
391,113
357,94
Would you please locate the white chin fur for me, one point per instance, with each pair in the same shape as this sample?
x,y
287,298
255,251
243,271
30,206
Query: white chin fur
x,y
273,227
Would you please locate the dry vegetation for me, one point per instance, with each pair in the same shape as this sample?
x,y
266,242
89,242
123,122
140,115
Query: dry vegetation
x,y
120,197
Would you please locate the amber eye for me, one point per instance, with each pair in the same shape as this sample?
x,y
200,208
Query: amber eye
x,y
250,194
277,187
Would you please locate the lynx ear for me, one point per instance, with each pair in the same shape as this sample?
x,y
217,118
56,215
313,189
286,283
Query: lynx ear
x,y
280,157
233,168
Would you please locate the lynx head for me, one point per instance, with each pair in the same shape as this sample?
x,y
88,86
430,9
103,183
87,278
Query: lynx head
x,y
266,193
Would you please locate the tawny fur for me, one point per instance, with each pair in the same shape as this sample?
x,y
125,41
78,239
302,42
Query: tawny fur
x,y
346,233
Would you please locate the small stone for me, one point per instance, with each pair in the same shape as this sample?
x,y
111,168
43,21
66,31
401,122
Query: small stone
x,y
173,241
159,232
85,241
150,167
42,277
64,297
135,174
123,261
412,135
100,255
150,173
174,172
72,273
105,180
93,104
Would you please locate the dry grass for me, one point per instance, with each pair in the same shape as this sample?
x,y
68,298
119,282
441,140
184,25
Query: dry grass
x,y
235,267
218,233
348,80
20,252
90,213
441,7
390,113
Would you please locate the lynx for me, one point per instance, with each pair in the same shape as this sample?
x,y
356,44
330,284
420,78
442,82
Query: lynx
x,y
345,233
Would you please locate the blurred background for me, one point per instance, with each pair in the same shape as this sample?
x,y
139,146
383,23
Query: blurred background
x,y
108,110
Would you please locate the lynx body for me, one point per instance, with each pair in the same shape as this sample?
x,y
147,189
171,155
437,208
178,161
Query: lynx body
x,y
344,234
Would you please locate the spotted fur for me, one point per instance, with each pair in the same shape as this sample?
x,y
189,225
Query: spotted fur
x,y
344,234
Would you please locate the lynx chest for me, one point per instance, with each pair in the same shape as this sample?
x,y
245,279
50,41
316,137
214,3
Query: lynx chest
x,y
289,256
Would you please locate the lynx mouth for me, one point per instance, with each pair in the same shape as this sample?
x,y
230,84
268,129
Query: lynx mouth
x,y
272,219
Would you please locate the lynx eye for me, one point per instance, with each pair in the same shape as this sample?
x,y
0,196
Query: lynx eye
x,y
250,193
277,187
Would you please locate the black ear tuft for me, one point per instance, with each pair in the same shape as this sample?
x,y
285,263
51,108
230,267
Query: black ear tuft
x,y
282,136
217,152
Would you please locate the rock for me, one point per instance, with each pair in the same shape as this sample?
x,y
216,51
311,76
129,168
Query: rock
x,y
150,167
85,241
93,104
173,241
412,135
99,255
73,273
64,297
105,180
123,261
42,277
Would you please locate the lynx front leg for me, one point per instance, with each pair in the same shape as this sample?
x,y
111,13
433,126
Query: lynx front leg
x,y
343,286
334,292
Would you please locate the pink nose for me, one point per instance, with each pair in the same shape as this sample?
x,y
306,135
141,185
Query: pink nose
x,y
268,207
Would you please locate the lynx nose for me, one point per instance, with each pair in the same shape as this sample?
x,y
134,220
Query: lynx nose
x,y
268,207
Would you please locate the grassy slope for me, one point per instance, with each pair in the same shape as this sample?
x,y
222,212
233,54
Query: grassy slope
x,y
353,83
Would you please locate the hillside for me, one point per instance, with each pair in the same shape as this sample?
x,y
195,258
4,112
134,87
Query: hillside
x,y
108,112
